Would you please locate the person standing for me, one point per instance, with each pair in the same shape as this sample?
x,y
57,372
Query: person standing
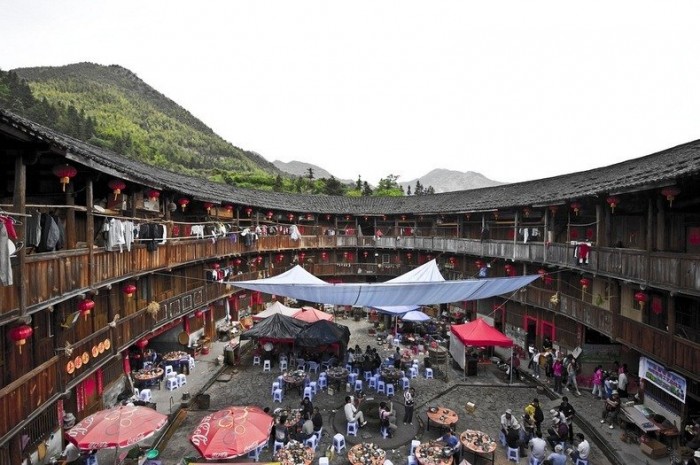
x,y
571,373
612,409
557,369
597,382
535,412
569,412
408,402
622,381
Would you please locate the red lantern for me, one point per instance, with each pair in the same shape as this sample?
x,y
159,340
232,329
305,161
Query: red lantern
x,y
324,255
207,206
20,334
365,253
237,262
453,261
548,280
309,216
215,266
585,282
199,314
229,208
553,209
280,257
641,298
526,212
328,217
260,259
85,306
183,202
613,201
142,343
656,305
347,217
542,272
65,173
129,289
479,264
290,217
153,194
409,255
117,186
510,269
670,193
576,207
249,211
269,215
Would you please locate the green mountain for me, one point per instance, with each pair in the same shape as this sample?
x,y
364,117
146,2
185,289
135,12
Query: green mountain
x,y
115,109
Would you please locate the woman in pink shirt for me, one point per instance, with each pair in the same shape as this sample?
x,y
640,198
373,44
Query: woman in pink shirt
x,y
598,382
557,369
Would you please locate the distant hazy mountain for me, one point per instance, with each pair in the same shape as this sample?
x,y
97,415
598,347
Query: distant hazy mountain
x,y
299,168
447,181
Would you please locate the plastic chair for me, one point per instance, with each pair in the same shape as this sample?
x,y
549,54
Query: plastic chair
x,y
256,360
372,382
312,442
358,385
275,385
145,395
352,377
255,453
169,371
280,379
414,443
514,454
581,461
338,442
381,386
429,373
352,428
313,366
323,461
412,460
413,372
502,438
313,385
533,461
389,390
308,392
277,446
171,383
277,395
181,379
322,382
319,434
267,366
405,383
368,375
192,363
283,365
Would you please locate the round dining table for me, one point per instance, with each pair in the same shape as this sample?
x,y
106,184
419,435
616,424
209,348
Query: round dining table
x,y
295,453
480,444
145,378
442,416
391,374
434,453
366,453
294,379
180,360
337,376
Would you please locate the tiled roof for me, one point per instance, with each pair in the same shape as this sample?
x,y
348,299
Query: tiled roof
x,y
651,171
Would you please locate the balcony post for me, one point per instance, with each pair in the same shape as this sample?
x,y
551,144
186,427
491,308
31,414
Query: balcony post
x,y
90,231
20,203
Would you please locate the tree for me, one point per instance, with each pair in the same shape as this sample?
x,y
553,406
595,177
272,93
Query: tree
x,y
419,189
311,173
409,191
389,187
358,183
333,187
430,190
278,184
366,190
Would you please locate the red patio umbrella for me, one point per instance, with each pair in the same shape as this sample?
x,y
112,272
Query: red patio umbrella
x,y
231,432
311,315
117,427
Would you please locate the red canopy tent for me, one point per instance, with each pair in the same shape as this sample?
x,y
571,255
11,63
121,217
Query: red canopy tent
x,y
311,315
477,333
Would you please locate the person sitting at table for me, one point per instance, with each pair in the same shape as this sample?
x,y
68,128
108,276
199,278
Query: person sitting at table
x,y
385,419
317,419
307,407
281,432
307,428
559,432
529,426
538,446
352,413
611,410
452,441
694,432
508,421
513,438
557,457
582,450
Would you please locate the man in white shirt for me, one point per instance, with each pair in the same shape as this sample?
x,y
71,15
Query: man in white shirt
x,y
583,449
508,421
353,414
538,446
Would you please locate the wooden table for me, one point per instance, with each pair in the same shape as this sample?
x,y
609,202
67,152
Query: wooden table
x,y
479,444
441,416
432,453
294,379
294,453
391,374
366,454
338,375
638,418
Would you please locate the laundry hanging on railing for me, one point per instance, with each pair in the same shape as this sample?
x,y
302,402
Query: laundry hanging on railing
x,y
582,252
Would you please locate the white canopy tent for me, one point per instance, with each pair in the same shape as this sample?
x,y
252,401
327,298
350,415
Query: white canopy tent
x,y
300,284
276,307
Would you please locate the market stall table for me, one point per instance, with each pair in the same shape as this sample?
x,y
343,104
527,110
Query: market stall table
x,y
434,453
294,379
146,378
441,416
479,444
295,453
366,454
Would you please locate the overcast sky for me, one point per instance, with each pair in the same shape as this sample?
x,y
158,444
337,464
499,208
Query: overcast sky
x,y
515,90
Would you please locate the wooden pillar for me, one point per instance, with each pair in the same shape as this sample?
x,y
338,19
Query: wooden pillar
x,y
19,201
649,236
90,231
615,308
515,232
660,231
671,321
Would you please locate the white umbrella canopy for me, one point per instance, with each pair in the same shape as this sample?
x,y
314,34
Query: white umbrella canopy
x,y
416,315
